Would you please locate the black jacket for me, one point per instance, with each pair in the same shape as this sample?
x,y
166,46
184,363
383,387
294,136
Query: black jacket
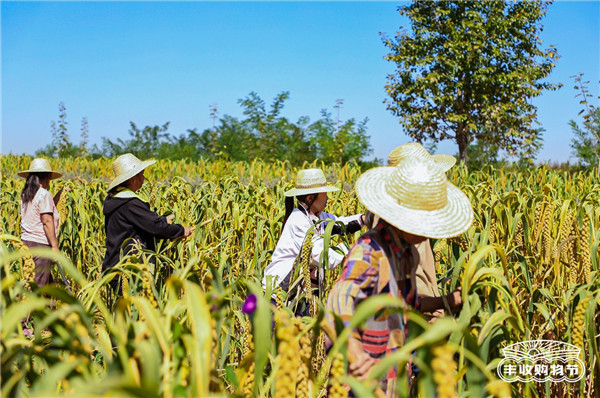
x,y
130,218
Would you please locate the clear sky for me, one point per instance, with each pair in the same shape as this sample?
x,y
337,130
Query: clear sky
x,y
153,62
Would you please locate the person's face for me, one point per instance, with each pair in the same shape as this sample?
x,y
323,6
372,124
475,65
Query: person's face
x,y
136,181
320,202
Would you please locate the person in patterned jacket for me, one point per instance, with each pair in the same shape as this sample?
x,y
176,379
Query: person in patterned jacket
x,y
413,201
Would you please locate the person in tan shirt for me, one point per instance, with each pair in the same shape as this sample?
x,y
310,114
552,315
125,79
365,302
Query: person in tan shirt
x,y
427,287
39,216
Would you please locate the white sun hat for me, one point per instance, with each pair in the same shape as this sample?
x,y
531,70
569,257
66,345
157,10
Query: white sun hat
x,y
415,196
127,166
39,165
310,181
445,162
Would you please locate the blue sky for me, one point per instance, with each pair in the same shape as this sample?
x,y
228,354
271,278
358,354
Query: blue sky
x,y
153,62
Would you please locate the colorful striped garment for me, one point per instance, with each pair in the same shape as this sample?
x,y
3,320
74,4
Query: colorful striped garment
x,y
368,271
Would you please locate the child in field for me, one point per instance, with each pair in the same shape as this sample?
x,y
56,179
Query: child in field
x,y
128,218
311,193
413,201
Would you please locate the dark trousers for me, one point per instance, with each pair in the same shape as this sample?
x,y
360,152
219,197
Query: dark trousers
x,y
43,266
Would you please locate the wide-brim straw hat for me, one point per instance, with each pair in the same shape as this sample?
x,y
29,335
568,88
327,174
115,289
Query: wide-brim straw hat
x,y
310,181
414,149
39,165
127,166
415,196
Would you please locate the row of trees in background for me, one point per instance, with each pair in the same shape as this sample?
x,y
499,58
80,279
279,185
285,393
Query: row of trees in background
x,y
263,133
268,135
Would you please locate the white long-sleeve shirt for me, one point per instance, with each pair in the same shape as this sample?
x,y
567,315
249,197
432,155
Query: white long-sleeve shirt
x,y
290,243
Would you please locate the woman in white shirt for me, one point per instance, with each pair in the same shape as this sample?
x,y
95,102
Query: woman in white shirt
x,y
39,216
311,193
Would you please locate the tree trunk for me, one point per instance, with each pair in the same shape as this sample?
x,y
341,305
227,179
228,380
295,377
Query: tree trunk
x,y
463,143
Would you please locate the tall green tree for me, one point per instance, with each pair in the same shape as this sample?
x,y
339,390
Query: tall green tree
x,y
85,137
274,136
61,144
586,144
341,143
144,143
467,70
231,139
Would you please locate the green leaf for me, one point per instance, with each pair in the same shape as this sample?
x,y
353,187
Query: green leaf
x,y
199,316
495,321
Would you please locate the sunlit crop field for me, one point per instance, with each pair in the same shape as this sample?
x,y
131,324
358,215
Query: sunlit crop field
x,y
529,268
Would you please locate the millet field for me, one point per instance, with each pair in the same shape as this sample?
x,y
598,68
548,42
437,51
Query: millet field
x,y
528,266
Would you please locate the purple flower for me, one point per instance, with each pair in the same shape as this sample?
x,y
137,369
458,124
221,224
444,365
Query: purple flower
x,y
250,304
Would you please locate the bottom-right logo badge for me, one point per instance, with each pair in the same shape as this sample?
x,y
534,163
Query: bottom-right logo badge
x,y
541,360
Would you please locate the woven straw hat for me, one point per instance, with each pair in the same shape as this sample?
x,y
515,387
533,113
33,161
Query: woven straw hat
x,y
415,196
39,165
127,166
414,149
310,181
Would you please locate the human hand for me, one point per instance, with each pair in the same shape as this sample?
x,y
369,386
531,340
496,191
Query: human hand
x,y
455,298
188,231
170,218
360,363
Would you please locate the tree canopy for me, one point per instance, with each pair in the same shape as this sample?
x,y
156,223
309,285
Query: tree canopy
x,y
467,70
586,143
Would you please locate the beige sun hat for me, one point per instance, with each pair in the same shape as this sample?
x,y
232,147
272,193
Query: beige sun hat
x,y
127,166
414,149
310,181
415,196
39,165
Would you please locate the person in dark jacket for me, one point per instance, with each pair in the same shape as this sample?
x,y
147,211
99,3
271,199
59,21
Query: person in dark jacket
x,y
128,219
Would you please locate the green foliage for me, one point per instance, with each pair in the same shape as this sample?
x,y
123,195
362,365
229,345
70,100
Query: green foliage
x,y
230,140
341,144
482,154
586,144
61,145
263,134
467,71
144,143
61,136
84,136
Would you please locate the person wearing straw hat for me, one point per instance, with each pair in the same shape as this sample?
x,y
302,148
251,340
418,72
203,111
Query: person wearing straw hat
x,y
414,149
413,201
128,218
39,217
426,278
311,193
